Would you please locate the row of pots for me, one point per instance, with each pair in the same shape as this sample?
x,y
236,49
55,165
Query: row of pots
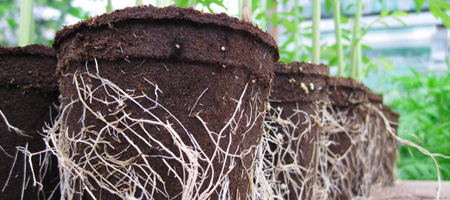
x,y
158,103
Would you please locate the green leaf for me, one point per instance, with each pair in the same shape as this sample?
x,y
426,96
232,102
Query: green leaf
x,y
346,37
275,20
290,27
308,35
349,6
399,20
419,4
441,4
365,47
328,6
271,4
438,13
288,41
385,24
399,13
434,10
344,19
384,13
388,66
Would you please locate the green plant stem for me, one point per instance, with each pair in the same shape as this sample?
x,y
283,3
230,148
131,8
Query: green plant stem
x,y
359,63
338,33
354,66
296,32
108,6
26,29
316,32
138,2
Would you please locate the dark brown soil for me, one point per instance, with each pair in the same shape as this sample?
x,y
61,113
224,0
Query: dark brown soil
x,y
346,92
28,92
184,52
300,86
345,96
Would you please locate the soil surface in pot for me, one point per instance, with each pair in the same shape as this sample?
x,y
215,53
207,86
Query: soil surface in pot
x,y
297,96
188,89
28,94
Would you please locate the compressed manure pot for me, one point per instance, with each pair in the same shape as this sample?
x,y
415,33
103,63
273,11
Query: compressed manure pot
x,y
293,120
344,134
380,144
161,103
28,92
390,149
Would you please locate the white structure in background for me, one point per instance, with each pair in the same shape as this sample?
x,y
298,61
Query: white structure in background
x,y
424,33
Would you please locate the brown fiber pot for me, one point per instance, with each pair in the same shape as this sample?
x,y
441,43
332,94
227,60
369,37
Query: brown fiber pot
x,y
194,65
389,162
28,90
377,136
345,96
298,95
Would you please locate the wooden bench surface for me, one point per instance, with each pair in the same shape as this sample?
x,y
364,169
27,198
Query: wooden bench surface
x,y
412,190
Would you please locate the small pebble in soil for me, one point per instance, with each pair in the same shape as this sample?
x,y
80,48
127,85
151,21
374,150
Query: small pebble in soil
x,y
222,48
311,86
177,46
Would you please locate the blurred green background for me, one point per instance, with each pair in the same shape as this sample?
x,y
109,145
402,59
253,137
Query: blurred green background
x,y
405,54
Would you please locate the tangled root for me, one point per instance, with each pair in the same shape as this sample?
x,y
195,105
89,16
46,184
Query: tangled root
x,y
286,172
356,150
92,159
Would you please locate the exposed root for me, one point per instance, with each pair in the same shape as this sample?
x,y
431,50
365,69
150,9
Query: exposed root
x,y
97,156
10,127
284,171
392,133
357,151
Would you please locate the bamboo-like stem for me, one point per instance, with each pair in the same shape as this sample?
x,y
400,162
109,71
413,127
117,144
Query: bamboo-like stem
x,y
296,32
247,11
274,27
355,42
26,30
108,6
359,71
138,2
316,32
338,33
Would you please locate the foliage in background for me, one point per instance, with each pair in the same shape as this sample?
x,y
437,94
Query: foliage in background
x,y
205,4
423,101
44,28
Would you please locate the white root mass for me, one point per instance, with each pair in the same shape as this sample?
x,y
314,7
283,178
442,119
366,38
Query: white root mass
x,y
134,177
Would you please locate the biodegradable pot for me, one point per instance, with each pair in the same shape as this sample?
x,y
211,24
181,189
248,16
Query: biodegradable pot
x,y
298,95
195,66
377,138
345,97
391,147
28,88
